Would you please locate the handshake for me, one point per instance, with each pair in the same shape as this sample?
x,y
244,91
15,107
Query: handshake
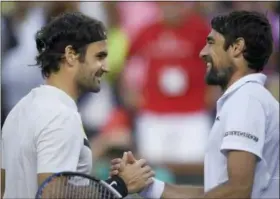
x,y
136,174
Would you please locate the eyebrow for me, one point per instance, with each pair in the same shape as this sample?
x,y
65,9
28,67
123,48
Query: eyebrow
x,y
102,54
209,38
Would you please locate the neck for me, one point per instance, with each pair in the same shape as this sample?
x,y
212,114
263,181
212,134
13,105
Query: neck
x,y
236,76
64,84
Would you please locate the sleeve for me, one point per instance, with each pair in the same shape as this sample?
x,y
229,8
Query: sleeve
x,y
245,126
59,144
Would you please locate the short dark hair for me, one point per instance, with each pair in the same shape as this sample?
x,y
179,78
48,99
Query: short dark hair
x,y
254,27
75,29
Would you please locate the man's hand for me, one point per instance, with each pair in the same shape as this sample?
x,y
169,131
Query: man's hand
x,y
116,163
136,174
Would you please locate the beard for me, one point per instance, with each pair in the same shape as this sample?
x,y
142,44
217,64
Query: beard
x,y
88,83
93,85
89,86
219,77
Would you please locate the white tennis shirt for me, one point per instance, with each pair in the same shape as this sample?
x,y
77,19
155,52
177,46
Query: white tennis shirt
x,y
42,134
247,120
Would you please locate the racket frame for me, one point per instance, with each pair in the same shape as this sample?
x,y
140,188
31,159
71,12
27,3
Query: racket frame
x,y
74,174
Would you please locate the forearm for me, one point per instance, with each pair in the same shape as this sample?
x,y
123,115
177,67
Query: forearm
x,y
162,190
228,190
182,191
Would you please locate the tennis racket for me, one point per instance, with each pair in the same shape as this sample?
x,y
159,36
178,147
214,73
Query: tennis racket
x,y
73,185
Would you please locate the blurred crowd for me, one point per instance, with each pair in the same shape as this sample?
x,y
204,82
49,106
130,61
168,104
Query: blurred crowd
x,y
154,101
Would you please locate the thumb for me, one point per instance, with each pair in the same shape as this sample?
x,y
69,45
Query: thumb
x,y
131,158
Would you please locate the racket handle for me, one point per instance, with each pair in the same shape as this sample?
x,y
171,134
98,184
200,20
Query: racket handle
x,y
118,184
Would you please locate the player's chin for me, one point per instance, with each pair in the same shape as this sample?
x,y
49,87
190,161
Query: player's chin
x,y
95,87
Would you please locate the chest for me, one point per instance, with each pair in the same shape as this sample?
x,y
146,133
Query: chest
x,y
217,132
165,43
215,162
213,155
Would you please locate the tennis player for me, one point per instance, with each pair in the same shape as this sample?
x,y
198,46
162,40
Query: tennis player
x,y
242,154
43,133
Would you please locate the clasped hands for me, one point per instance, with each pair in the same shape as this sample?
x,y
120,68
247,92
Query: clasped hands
x,y
135,173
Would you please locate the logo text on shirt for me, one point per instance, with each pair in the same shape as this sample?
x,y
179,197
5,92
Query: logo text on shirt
x,y
243,134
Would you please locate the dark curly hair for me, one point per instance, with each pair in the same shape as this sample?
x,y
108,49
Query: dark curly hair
x,y
254,28
73,29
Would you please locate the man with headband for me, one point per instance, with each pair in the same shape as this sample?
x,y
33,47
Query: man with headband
x,y
43,133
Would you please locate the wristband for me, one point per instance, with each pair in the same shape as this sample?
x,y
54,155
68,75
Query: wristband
x,y
155,190
118,184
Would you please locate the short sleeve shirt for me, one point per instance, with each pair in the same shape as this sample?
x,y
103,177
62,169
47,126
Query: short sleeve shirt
x,y
247,120
43,133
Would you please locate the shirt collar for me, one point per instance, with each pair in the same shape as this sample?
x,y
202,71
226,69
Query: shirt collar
x,y
61,95
256,77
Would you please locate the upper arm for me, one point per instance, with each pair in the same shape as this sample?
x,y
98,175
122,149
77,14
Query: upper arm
x,y
241,168
58,145
181,191
244,128
243,140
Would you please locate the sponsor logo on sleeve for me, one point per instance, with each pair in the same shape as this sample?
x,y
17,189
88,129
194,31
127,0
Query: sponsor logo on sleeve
x,y
242,134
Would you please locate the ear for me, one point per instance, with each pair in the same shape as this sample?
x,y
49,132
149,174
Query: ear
x,y
70,55
238,47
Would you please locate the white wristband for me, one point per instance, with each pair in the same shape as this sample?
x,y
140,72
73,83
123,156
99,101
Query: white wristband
x,y
154,191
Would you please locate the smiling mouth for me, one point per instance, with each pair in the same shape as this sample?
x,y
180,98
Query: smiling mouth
x,y
98,76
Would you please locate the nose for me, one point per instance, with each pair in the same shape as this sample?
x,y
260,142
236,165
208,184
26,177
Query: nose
x,y
105,68
203,53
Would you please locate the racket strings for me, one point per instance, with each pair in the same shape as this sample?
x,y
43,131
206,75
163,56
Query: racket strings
x,y
76,188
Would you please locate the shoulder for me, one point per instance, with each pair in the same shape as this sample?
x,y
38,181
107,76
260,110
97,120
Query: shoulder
x,y
51,114
61,124
59,115
253,100
252,92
